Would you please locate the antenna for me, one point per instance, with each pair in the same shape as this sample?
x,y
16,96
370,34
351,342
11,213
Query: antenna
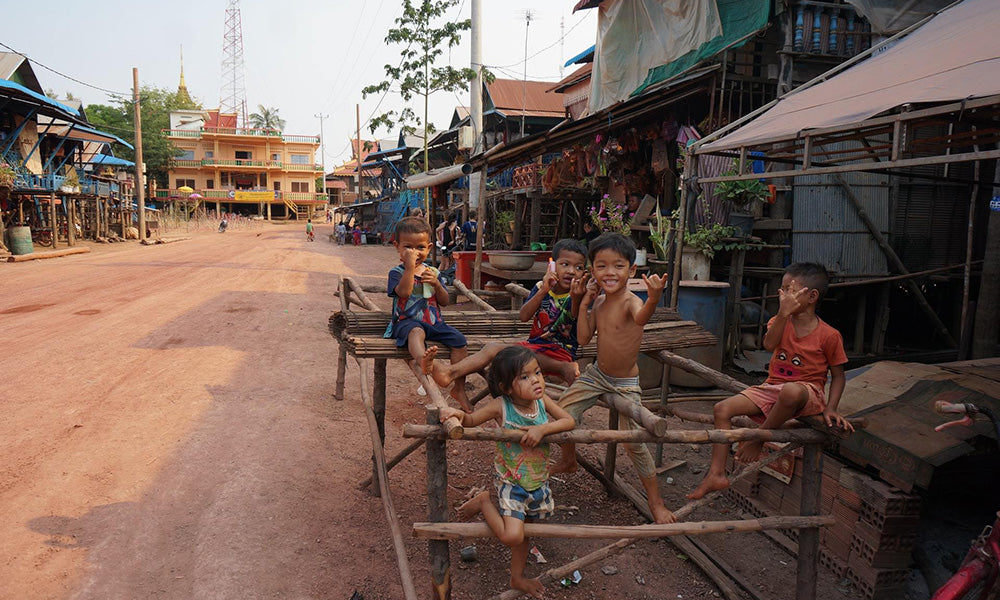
x,y
234,89
562,42
528,16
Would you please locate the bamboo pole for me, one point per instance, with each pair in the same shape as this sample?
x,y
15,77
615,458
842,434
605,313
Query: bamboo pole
x,y
395,460
625,436
378,408
479,302
463,531
437,509
640,414
365,301
345,304
452,427
402,562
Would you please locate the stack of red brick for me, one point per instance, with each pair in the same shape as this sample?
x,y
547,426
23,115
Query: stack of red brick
x,y
527,176
875,528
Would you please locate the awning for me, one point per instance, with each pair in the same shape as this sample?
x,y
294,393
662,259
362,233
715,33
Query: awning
x,y
585,56
740,19
88,134
46,105
953,57
110,161
353,206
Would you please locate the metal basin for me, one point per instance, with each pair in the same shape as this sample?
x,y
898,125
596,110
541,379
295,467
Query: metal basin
x,y
513,261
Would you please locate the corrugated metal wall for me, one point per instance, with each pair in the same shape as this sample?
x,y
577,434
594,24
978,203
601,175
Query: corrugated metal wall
x,y
826,227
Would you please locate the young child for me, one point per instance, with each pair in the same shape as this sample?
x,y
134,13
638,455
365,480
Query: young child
x,y
552,309
417,292
309,231
618,317
805,348
516,381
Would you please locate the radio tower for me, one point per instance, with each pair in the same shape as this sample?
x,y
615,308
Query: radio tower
x,y
234,89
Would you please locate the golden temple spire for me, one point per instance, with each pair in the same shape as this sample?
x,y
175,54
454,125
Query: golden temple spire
x,y
182,90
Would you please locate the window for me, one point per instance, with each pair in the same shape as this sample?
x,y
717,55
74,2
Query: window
x,y
263,180
224,178
300,159
244,154
275,157
209,154
185,182
300,186
209,184
185,154
277,186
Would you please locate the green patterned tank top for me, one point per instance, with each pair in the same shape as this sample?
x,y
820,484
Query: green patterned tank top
x,y
526,467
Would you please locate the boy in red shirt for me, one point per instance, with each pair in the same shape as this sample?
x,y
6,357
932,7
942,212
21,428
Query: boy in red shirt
x,y
805,348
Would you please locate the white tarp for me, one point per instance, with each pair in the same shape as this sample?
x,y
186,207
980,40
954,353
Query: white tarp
x,y
634,36
892,16
953,56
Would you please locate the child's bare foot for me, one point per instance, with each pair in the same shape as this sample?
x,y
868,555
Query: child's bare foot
x,y
661,515
427,361
748,452
474,506
564,465
531,587
710,483
459,395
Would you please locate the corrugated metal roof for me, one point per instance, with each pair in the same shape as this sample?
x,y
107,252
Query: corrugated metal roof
x,y
510,95
18,91
573,78
585,56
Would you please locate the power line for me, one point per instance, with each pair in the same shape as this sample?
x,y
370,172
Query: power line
x,y
33,61
550,46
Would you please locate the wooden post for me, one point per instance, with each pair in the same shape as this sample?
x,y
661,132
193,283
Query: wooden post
x,y
808,558
54,221
881,324
345,305
477,273
611,453
378,407
140,188
732,341
437,507
534,228
70,221
664,399
519,214
859,323
395,460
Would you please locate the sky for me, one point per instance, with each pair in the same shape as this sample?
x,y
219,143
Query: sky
x,y
303,57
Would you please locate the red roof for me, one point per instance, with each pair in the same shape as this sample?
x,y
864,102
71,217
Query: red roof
x,y
217,119
509,95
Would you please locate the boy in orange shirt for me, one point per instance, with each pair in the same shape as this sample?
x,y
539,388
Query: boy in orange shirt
x,y
805,348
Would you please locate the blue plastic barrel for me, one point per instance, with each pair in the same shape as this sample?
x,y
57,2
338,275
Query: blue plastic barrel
x,y
20,240
703,302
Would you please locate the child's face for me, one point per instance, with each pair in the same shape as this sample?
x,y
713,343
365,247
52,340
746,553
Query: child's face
x,y
418,242
529,383
611,270
569,266
791,285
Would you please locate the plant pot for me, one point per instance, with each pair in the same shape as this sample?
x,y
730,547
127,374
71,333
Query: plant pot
x,y
658,267
695,265
743,222
509,238
640,257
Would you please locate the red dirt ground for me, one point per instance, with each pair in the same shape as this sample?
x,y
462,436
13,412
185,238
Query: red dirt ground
x,y
169,432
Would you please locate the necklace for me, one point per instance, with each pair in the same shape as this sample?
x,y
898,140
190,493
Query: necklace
x,y
526,415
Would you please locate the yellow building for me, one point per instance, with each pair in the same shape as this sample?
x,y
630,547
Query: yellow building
x,y
251,171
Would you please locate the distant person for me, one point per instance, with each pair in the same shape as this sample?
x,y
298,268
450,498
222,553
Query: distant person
x,y
223,224
310,235
470,229
341,231
805,348
356,236
447,233
590,232
329,217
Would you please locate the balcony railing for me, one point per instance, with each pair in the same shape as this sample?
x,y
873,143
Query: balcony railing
x,y
302,167
240,131
244,162
184,133
224,195
187,162
301,139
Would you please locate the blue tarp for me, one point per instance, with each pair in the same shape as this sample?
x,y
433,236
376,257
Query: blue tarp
x,y
111,161
585,56
86,129
6,84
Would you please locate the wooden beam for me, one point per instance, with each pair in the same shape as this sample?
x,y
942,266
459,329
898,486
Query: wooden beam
x,y
808,558
365,301
640,414
451,428
479,302
624,436
378,407
437,508
463,531
395,460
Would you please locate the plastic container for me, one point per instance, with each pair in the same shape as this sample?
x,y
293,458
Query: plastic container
x,y
703,302
20,240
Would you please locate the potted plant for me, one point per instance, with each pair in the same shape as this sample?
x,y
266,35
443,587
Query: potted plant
x,y
71,185
742,194
610,216
660,234
505,223
700,247
7,175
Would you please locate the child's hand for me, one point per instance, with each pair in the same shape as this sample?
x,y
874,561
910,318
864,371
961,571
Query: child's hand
x,y
591,293
532,435
578,288
409,258
548,281
428,276
790,303
834,419
655,283
447,412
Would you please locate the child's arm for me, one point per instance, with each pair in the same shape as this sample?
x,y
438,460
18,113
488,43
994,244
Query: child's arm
x,y
830,414
789,304
530,306
577,290
559,420
488,412
586,321
654,290
404,289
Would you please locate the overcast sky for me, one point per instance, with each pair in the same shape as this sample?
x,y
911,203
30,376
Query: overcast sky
x,y
304,57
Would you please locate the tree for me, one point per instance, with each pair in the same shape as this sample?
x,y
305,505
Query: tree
x,y
118,118
416,74
266,118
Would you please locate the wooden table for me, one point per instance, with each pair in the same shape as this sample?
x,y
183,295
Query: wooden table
x,y
535,273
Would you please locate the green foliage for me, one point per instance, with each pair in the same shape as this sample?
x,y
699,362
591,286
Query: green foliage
x,y
266,118
611,217
7,175
712,238
319,184
416,73
660,233
118,118
504,221
741,193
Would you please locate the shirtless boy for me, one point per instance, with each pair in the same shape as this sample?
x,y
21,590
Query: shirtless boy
x,y
618,317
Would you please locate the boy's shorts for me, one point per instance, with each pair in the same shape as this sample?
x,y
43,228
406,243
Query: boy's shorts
x,y
585,392
552,350
438,332
517,502
765,396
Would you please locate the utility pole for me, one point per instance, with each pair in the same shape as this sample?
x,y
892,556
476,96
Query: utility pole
x,y
476,98
139,186
528,15
357,116
322,152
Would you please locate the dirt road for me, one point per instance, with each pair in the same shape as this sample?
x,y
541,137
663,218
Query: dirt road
x,y
168,432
